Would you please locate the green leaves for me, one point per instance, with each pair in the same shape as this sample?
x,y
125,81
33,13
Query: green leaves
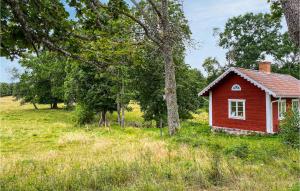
x,y
43,79
250,37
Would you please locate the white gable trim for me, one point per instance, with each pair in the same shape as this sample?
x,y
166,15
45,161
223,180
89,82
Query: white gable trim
x,y
232,69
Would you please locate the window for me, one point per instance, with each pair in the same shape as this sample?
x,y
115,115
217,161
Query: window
x,y
281,109
236,87
236,109
295,105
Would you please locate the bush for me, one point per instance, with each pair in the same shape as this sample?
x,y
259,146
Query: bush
x,y
83,114
240,151
290,128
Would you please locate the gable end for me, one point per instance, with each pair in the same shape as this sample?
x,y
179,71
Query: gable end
x,y
205,90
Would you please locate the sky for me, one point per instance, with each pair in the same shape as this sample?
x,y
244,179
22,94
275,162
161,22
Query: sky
x,y
203,17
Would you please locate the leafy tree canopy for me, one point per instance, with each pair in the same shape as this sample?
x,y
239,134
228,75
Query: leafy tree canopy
x,y
249,38
43,79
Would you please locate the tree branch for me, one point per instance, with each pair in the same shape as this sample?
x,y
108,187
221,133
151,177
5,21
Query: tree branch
x,y
133,18
32,37
154,6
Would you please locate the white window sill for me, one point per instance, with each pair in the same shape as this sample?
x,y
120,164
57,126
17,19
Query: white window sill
x,y
239,118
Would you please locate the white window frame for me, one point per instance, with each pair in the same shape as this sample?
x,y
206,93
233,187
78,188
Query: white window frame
x,y
280,102
244,109
296,100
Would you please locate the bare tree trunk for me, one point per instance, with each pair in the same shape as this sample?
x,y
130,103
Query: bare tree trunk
x,y
291,10
100,121
34,105
123,116
170,91
170,80
122,104
103,119
119,111
160,126
54,105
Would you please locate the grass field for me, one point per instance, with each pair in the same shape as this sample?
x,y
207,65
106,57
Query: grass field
x,y
43,150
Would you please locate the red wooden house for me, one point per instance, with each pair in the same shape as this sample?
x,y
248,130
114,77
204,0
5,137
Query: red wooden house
x,y
249,100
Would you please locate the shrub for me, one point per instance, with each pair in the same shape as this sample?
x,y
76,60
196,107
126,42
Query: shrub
x,y
83,114
241,150
290,128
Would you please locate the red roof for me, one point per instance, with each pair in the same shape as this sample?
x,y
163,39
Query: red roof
x,y
278,85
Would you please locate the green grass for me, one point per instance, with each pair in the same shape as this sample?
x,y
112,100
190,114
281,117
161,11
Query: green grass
x,y
43,150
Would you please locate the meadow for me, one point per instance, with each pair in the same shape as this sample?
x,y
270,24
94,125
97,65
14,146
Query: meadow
x,y
43,150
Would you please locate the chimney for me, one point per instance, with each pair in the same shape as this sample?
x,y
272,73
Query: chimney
x,y
265,66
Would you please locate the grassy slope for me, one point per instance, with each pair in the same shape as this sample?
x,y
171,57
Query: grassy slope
x,y
43,150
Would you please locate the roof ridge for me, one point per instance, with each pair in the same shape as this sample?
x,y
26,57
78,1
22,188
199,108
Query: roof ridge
x,y
271,73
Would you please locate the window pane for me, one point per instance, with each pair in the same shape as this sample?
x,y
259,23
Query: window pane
x,y
233,104
283,107
241,108
240,104
233,113
295,105
279,109
241,114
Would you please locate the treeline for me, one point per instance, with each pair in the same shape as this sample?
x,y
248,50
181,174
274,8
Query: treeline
x,y
6,89
52,79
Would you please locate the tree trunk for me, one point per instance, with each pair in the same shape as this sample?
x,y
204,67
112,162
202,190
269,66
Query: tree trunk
x,y
160,126
123,116
119,111
291,10
170,91
34,105
103,120
54,105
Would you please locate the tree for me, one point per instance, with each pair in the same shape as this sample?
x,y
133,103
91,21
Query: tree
x,y
291,9
287,57
43,79
162,23
165,25
247,36
213,68
148,82
6,89
93,91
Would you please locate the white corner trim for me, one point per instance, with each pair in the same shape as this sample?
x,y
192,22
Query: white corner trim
x,y
232,69
269,126
210,108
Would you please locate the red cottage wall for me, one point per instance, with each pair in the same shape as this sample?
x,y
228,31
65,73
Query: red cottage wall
x,y
255,106
276,121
